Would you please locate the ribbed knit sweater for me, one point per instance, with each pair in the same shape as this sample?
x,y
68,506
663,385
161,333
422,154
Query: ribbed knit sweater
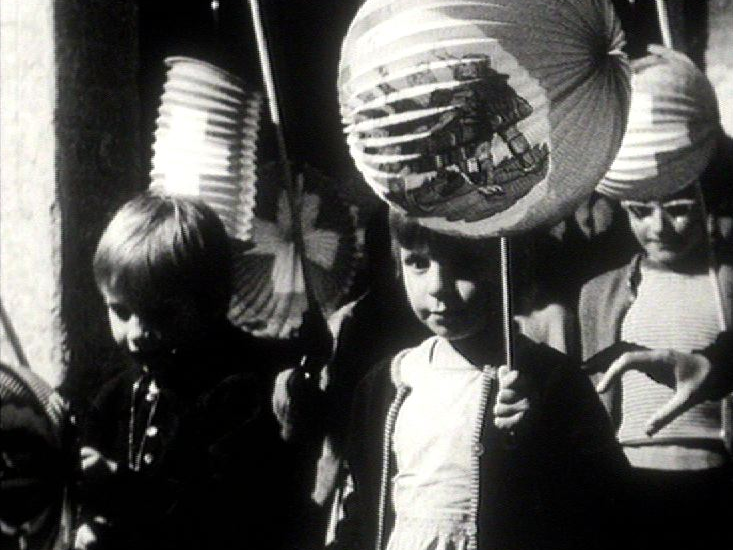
x,y
674,311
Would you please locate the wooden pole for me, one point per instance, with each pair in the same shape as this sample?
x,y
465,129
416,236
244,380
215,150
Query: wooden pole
x,y
507,305
13,337
271,91
293,186
663,19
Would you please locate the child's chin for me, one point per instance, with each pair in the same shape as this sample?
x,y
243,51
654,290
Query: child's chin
x,y
449,333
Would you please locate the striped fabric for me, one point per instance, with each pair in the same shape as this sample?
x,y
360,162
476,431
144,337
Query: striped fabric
x,y
676,311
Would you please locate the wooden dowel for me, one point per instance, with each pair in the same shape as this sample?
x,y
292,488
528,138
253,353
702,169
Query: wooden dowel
x,y
13,337
293,186
506,294
663,19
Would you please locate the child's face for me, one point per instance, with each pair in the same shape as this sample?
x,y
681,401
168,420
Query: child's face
x,y
451,289
150,336
669,231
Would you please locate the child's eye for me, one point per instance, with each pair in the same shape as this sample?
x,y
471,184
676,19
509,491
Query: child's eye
x,y
416,261
679,210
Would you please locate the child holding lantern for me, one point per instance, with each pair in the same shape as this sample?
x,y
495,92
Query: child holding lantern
x,y
472,121
470,452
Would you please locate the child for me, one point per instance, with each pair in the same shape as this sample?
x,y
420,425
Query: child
x,y
450,450
673,297
175,448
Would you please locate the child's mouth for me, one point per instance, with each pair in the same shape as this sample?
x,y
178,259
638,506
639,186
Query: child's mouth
x,y
151,358
445,313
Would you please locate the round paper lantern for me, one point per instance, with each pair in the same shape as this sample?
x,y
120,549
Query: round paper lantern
x,y
35,462
483,118
672,131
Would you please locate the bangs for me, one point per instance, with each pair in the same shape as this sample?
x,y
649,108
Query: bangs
x,y
143,272
132,260
408,233
158,249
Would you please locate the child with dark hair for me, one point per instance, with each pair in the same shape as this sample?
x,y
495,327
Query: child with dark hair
x,y
669,306
450,449
176,448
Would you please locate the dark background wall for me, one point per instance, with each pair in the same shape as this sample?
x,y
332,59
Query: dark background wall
x,y
98,164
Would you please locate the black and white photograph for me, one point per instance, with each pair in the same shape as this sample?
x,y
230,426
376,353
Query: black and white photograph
x,y
366,274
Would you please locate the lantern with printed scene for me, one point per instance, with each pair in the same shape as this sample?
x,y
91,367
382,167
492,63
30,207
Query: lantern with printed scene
x,y
484,119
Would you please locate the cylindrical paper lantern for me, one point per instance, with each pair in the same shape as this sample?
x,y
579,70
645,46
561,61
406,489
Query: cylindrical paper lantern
x,y
206,140
672,131
483,118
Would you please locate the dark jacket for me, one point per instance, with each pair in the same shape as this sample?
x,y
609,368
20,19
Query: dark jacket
x,y
559,485
214,459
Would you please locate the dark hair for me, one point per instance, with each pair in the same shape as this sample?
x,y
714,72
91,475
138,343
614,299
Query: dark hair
x,y
159,247
406,232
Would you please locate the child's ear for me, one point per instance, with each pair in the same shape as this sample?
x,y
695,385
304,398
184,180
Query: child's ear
x,y
396,259
397,266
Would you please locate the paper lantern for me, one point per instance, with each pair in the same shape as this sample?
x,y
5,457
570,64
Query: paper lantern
x,y
206,140
672,131
483,118
35,462
270,296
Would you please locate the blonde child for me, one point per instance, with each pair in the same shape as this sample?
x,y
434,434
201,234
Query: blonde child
x,y
670,304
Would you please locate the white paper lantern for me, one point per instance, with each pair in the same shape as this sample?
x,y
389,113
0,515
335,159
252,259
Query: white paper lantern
x,y
206,141
673,129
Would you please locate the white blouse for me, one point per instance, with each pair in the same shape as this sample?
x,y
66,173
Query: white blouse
x,y
432,443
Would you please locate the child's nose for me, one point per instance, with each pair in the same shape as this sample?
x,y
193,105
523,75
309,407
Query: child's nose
x,y
137,332
437,280
657,220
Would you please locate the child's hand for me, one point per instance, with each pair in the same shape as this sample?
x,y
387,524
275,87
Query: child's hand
x,y
92,458
512,401
85,538
297,402
687,373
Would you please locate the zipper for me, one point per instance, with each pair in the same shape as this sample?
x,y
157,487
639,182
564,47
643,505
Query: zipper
x,y
477,451
402,393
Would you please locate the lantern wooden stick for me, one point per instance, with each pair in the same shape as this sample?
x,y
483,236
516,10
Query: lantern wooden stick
x,y
663,18
272,101
13,337
269,81
215,14
294,188
507,305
